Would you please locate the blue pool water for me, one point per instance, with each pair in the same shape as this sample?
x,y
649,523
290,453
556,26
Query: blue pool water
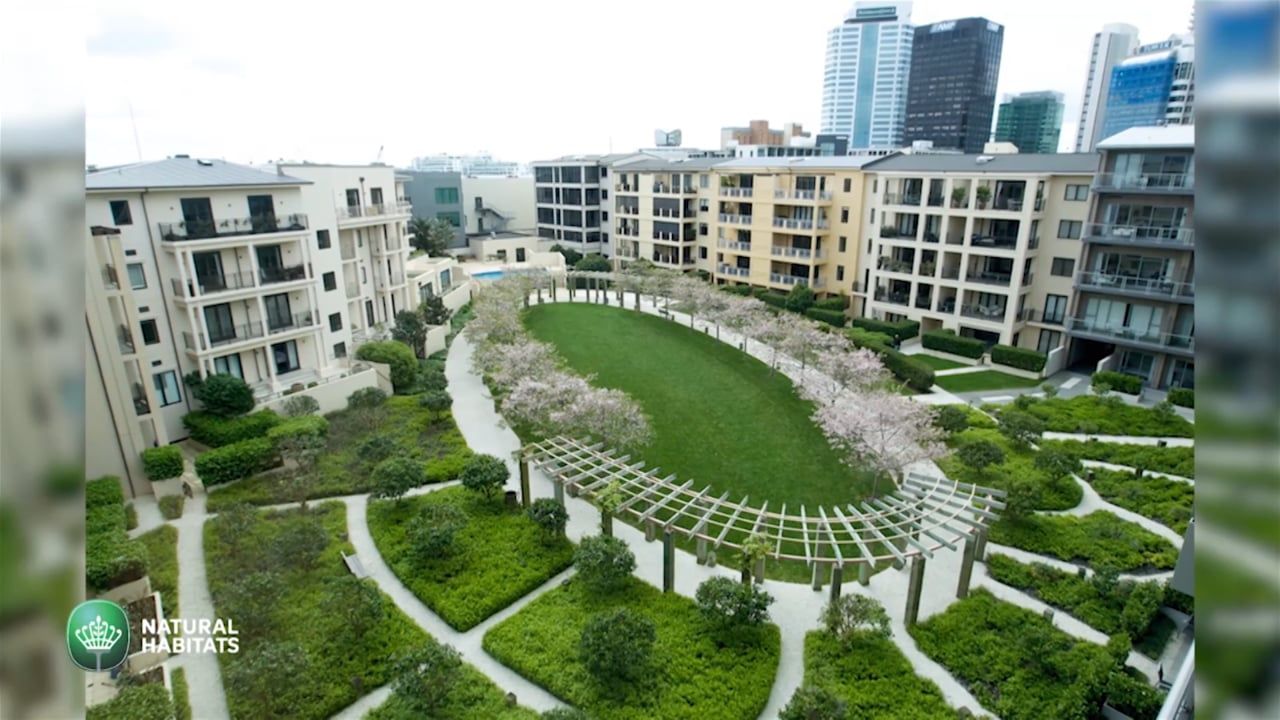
x,y
489,275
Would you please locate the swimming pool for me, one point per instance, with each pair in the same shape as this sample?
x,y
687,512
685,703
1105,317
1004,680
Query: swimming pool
x,y
489,275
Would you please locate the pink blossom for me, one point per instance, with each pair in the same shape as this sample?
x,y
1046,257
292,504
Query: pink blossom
x,y
882,429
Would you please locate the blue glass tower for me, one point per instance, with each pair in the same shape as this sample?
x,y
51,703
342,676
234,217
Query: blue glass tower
x,y
1139,92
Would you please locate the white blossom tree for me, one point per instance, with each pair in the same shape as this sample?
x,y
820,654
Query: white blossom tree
x,y
741,316
610,415
840,371
881,429
508,364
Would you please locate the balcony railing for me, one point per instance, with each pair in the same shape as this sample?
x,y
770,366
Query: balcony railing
x,y
794,223
936,201
924,303
210,284
126,340
231,227
990,313
625,231
628,210
1124,334
665,189
624,187
385,280
1039,204
733,270
788,279
730,245
951,273
1158,287
894,265
670,212
801,194
786,251
297,321
912,199
287,273
736,191
391,244
931,237
988,278
353,288
110,278
894,298
348,249
237,333
349,212
140,404
1033,315
735,219
669,236
1155,182
993,241
1142,234
893,232
1004,203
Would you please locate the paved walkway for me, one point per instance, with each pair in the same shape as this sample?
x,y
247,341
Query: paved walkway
x,y
1122,439
208,700
148,511
1127,468
1091,501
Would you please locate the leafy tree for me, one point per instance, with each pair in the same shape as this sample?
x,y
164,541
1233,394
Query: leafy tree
x,y
1021,427
604,562
225,396
485,474
1021,497
980,454
411,329
234,528
1050,390
1056,463
437,401
812,702
608,500
800,298
754,549
300,405
366,405
850,616
951,419
425,676
593,263
617,645
376,448
401,359
356,605
1106,579
1141,606
571,256
264,670
431,235
728,604
549,515
395,476
299,544
432,532
433,311
251,600
303,451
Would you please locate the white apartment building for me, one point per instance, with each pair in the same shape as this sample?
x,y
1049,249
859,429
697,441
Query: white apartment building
x,y
498,204
868,63
984,245
1112,45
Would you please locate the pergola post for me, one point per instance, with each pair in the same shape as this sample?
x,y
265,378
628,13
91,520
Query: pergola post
x,y
553,289
864,574
649,531
559,486
966,568
913,590
980,546
760,571
524,482
572,283
606,523
711,558
702,551
668,560
817,567
539,294
837,577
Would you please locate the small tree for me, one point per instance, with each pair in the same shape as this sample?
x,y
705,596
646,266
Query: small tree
x,y
162,463
608,500
366,405
1021,497
617,645
959,196
755,548
411,329
1021,427
983,194
849,617
1050,390
434,311
375,448
593,263
1056,463
251,600
604,563
1163,411
730,605
299,544
549,515
980,454
800,298
225,395
402,360
432,532
300,443
1105,579
485,474
437,401
395,476
431,235
356,605
425,676
812,702
571,257
1141,606
234,526
300,405
951,419
264,670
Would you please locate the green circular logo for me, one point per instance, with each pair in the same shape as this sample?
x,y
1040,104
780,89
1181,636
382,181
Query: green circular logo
x,y
98,635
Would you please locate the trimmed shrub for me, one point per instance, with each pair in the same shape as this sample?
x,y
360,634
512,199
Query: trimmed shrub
x,y
867,338
729,604
404,364
1016,357
110,557
171,506
224,395
800,299
485,474
951,419
235,461
1184,397
162,463
742,290
617,645
395,476
914,373
835,318
298,427
835,302
1120,382
901,330
604,563
772,299
812,702
948,342
300,405
549,515
215,431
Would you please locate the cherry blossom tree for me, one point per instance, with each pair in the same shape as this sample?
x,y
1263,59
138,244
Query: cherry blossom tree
x,y
610,415
882,429
507,364
839,371
741,315
773,330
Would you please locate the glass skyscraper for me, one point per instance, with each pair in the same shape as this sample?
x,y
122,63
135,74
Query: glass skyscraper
x,y
951,93
1153,87
864,87
1032,121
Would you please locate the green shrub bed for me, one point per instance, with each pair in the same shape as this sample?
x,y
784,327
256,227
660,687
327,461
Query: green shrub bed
x,y
497,558
236,461
149,701
695,671
1168,502
1184,397
901,330
162,463
339,664
343,469
110,557
1098,539
1094,415
1180,461
1017,357
1018,665
215,431
949,342
472,697
835,318
1109,606
181,694
162,565
872,677
1117,381
1019,463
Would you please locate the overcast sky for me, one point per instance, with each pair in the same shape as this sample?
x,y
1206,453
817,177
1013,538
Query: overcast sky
x,y
263,80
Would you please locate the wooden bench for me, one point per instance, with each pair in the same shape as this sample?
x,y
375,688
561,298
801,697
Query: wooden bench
x,y
355,566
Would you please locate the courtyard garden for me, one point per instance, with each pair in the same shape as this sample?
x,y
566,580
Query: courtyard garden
x,y
1099,539
983,380
162,565
1107,415
1180,461
1168,502
935,362
1008,464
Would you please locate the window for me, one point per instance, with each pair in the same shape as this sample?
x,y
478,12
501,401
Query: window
x,y
285,356
228,365
167,387
704,181
279,315
137,276
848,184
330,281
218,320
335,322
375,196
1055,308
844,214
843,243
840,272
702,253
455,219
1077,192
446,196
150,333
1069,229
873,216
1062,267
1049,340
364,275
120,214
340,350
322,239
702,229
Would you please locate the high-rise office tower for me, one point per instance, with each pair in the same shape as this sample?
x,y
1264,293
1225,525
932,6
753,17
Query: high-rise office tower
x,y
864,87
1032,121
1155,86
951,95
1113,44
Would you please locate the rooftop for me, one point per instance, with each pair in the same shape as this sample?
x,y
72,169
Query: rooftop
x,y
1050,163
183,172
807,162
1156,136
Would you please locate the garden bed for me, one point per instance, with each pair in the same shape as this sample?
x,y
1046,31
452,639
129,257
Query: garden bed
x,y
1168,502
983,380
1098,416
472,697
162,565
872,677
497,558
694,672
1096,540
1019,463
1180,461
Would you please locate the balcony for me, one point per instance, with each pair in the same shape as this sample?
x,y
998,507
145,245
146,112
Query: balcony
x,y
952,273
625,210
231,227
297,321
802,195
288,273
666,236
110,279
1141,235
1160,183
733,270
625,187
389,244
893,233
664,189
386,280
924,303
936,201
347,213
235,334
1152,339
736,246
352,287
912,199
348,249
795,252
988,278
788,279
628,231
1000,242
1135,286
893,298
1010,204
735,219
736,192
673,213
140,404
126,340
797,223
1036,316
990,313
213,284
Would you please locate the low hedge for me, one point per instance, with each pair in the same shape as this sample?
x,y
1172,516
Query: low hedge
x,y
1168,502
743,290
1184,397
1099,539
835,302
949,342
110,557
835,318
235,461
1016,357
1173,460
1093,415
914,373
901,330
162,463
772,299
216,431
866,338
1119,382
298,426
1122,607
150,701
872,677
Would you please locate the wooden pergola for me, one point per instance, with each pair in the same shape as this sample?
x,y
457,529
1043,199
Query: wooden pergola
x,y
921,516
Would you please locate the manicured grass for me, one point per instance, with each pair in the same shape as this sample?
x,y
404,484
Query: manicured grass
x,y
1095,415
719,416
341,665
695,673
1019,462
983,380
873,678
497,558
162,566
1095,540
341,471
1168,502
935,362
1180,461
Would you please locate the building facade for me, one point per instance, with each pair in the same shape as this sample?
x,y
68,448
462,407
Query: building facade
x,y
1112,45
1032,121
482,165
498,204
864,84
758,132
660,209
951,95
437,195
1134,304
1155,86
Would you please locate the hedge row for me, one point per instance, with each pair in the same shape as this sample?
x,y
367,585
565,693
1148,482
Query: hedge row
x,y
914,373
110,557
216,431
297,427
835,318
742,290
235,461
1017,357
1186,397
1120,382
901,330
162,463
772,299
949,342
835,302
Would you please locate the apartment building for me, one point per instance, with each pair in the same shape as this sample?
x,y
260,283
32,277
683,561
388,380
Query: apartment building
x,y
864,80
758,132
661,210
984,245
437,195
1114,43
571,197
1133,308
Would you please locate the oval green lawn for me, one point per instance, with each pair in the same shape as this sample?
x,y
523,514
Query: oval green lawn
x,y
719,416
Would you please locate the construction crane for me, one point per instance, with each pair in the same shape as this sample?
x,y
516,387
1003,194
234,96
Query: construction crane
x,y
380,147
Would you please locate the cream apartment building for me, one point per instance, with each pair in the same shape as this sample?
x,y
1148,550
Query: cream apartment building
x,y
661,209
984,245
